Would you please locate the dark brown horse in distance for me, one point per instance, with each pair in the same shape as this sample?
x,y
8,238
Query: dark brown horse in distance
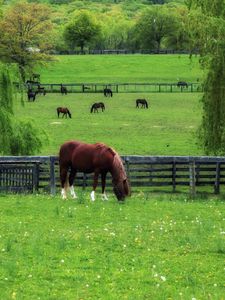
x,y
64,111
96,106
142,102
92,158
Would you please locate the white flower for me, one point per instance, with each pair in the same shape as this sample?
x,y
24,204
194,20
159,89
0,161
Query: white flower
x,y
62,261
163,278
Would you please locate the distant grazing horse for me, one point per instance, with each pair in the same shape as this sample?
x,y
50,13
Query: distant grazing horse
x,y
63,90
31,95
142,102
107,92
92,158
182,84
96,106
63,110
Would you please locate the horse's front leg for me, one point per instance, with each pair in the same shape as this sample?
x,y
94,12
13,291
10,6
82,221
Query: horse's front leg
x,y
103,175
95,183
63,179
71,180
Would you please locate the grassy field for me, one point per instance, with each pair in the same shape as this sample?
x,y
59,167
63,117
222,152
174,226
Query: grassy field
x,y
121,69
152,247
167,128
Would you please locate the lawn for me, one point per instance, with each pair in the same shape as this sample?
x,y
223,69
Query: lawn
x,y
121,69
151,247
168,127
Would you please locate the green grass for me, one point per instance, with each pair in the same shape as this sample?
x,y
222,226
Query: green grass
x,y
152,247
121,69
167,128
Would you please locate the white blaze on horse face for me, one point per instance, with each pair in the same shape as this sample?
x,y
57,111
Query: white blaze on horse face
x,y
63,193
72,192
93,196
104,197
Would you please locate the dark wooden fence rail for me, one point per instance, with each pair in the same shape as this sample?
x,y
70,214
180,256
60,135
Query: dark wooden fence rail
x,y
42,173
120,87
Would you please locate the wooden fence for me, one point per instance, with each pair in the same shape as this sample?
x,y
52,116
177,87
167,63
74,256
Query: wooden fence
x,y
121,87
173,173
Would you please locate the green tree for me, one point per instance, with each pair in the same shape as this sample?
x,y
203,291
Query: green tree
x,y
17,137
25,36
153,26
82,31
207,32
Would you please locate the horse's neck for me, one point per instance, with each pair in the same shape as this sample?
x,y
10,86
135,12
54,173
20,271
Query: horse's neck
x,y
117,169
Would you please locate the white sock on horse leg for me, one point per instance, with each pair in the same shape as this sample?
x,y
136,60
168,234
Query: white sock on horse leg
x,y
104,197
63,193
93,196
72,192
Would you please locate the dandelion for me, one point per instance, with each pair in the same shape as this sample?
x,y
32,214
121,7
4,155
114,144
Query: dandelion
x,y
62,261
124,246
215,284
3,250
98,276
154,266
29,276
163,278
6,278
87,285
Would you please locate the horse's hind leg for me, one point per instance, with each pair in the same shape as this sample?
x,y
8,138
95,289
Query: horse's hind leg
x,y
71,180
103,175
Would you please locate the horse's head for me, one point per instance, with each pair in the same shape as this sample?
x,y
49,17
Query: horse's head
x,y
121,189
120,181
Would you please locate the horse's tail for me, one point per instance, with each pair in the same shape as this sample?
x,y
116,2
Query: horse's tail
x,y
111,93
92,108
146,103
69,113
57,111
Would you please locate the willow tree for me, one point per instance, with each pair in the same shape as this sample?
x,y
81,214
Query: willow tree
x,y
207,30
17,137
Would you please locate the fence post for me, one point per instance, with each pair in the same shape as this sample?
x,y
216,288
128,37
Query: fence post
x,y
84,180
217,180
36,176
192,178
174,175
127,164
52,176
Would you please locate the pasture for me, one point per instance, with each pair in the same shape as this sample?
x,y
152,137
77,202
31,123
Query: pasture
x,y
152,247
168,127
121,69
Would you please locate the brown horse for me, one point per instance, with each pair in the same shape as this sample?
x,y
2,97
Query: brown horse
x,y
92,158
63,110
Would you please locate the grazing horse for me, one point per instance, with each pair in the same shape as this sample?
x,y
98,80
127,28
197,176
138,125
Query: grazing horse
x,y
63,110
63,90
92,158
107,92
143,103
31,95
96,106
182,84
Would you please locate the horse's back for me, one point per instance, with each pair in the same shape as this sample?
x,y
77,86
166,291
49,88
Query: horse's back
x,y
86,157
